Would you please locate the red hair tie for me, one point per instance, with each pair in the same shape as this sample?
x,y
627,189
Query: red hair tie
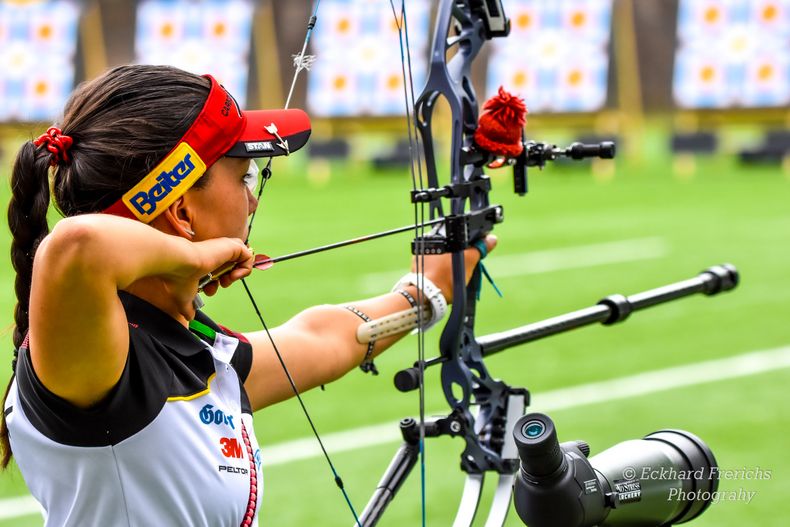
x,y
57,143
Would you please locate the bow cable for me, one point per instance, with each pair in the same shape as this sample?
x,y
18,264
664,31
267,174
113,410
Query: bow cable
x,y
419,224
301,62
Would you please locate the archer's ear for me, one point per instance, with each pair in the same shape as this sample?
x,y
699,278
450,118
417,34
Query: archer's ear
x,y
177,219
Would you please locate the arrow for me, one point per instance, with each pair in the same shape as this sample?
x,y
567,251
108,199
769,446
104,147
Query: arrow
x,y
263,262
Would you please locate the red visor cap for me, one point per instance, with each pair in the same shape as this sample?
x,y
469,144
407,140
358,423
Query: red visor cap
x,y
270,133
261,133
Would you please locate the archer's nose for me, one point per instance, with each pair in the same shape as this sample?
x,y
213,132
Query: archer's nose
x,y
252,202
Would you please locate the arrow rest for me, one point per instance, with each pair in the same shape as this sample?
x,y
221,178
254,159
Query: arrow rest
x,y
454,236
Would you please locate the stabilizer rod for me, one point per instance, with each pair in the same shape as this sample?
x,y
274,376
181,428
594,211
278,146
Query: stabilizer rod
x,y
613,309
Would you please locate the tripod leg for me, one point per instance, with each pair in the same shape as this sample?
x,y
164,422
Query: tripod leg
x,y
399,469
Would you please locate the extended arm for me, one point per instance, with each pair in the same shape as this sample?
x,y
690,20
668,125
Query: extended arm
x,y
319,344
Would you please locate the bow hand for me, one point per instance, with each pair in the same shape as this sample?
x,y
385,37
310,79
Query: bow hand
x,y
438,268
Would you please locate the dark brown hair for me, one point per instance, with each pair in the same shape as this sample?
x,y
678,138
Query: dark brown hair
x,y
123,124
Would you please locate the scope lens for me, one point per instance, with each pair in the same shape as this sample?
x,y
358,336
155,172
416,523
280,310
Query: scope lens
x,y
533,429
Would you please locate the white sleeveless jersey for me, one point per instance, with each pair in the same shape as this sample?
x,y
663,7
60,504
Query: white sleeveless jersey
x,y
165,448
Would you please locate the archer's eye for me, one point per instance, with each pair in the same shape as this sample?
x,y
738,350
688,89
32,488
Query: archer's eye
x,y
252,176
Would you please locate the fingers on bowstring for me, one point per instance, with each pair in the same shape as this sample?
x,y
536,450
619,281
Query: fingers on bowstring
x,y
210,289
234,275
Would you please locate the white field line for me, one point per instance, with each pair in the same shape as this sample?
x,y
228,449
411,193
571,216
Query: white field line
x,y
744,365
19,506
548,260
575,396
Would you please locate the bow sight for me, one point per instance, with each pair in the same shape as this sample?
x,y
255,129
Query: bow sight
x,y
452,235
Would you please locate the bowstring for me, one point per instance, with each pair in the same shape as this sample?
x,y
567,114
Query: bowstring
x,y
301,62
419,224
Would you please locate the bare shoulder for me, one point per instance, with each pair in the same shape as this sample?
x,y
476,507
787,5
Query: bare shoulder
x,y
78,329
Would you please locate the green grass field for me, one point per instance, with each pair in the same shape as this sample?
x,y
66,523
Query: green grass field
x,y
675,227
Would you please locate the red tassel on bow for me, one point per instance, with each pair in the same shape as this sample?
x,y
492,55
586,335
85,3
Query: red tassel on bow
x,y
499,127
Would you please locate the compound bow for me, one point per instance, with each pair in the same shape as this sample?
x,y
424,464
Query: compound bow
x,y
462,28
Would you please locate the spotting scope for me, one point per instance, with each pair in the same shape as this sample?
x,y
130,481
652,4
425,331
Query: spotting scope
x,y
665,478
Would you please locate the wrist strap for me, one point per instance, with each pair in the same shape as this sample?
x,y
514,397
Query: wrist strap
x,y
407,296
430,292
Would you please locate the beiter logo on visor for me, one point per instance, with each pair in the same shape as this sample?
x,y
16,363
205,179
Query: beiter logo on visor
x,y
165,183
221,129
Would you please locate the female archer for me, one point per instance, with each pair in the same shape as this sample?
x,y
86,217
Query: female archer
x,y
129,406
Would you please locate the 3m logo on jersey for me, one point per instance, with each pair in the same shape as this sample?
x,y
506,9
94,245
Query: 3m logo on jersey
x,y
231,447
166,183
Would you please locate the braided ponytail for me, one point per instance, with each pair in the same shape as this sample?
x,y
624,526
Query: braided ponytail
x,y
116,129
27,219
